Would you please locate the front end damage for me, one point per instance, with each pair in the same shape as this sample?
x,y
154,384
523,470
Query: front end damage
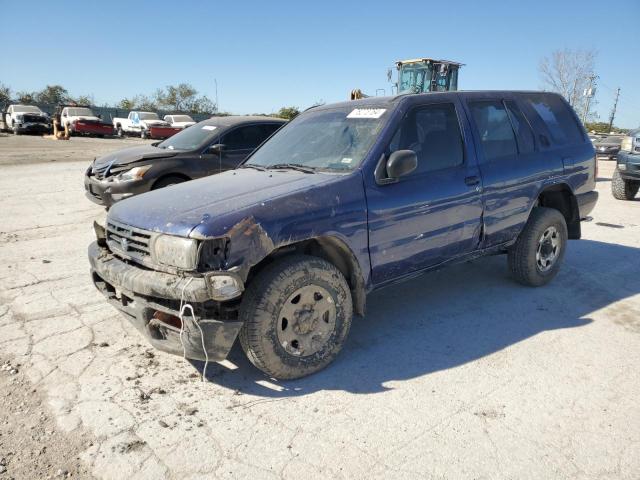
x,y
154,302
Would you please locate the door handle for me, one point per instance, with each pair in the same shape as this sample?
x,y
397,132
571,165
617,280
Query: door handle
x,y
474,180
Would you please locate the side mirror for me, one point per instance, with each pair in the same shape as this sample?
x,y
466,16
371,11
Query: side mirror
x,y
401,163
215,149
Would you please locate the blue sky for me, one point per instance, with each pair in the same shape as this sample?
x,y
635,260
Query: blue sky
x,y
265,55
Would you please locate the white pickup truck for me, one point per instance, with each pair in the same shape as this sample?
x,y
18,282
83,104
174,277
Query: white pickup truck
x,y
180,121
25,119
138,123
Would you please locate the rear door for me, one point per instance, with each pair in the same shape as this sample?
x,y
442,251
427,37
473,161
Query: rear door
x,y
511,164
432,214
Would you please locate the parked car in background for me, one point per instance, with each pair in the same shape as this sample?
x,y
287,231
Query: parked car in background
x,y
81,120
209,147
181,121
25,119
141,123
626,177
344,200
608,146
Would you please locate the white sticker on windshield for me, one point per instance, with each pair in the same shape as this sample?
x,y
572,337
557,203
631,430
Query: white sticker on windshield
x,y
366,113
208,127
346,160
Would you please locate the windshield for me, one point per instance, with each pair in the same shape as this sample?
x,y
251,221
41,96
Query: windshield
x,y
26,109
190,138
182,118
336,139
80,112
149,116
415,78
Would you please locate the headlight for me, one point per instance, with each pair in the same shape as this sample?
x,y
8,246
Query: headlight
x,y
224,286
622,166
626,144
175,251
135,173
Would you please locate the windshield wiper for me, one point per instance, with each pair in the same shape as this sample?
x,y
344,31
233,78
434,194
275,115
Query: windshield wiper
x,y
252,165
293,166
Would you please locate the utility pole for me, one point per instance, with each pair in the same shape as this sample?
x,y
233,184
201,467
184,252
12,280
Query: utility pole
x,y
613,112
589,92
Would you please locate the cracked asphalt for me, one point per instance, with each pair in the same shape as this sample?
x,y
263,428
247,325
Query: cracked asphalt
x,y
458,374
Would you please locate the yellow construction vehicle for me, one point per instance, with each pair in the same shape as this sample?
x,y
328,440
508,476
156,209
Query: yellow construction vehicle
x,y
420,75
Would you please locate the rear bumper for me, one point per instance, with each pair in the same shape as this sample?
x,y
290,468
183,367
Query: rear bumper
x,y
150,300
586,203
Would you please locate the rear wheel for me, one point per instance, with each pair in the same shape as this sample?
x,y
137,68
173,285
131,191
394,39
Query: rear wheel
x,y
297,314
537,254
167,181
623,189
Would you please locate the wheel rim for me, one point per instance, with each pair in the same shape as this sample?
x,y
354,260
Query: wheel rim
x,y
306,321
548,249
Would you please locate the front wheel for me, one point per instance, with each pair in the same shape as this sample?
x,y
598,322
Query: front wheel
x,y
623,189
297,314
536,256
144,134
120,132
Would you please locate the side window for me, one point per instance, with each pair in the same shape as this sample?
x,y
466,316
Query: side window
x,y
524,135
557,117
433,132
233,140
269,128
494,127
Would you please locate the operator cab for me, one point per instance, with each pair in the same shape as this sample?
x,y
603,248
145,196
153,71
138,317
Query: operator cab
x,y
423,75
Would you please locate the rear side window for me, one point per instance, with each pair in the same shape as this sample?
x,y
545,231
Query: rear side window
x,y
244,138
524,135
494,127
560,121
433,132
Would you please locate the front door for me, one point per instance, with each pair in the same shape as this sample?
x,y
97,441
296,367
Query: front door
x,y
434,213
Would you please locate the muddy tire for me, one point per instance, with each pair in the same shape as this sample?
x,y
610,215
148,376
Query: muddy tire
x,y
623,189
119,132
536,256
297,313
143,134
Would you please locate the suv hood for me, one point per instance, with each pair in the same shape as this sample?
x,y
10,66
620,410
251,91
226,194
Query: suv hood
x,y
134,154
210,206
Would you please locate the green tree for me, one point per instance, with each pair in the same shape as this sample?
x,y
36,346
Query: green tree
x,y
288,113
53,94
145,103
184,98
5,94
127,104
84,100
26,97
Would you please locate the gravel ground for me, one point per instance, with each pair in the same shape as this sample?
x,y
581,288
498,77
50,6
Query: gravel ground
x,y
459,374
26,149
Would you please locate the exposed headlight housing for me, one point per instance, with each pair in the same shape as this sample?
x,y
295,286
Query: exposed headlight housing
x,y
135,173
224,285
627,144
173,251
622,166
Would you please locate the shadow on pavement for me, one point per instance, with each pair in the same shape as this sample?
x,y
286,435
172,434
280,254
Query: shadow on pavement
x,y
451,317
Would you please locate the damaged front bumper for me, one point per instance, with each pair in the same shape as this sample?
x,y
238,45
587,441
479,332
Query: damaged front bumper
x,y
151,301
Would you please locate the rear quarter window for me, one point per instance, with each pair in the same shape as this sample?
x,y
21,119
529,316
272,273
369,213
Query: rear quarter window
x,y
558,118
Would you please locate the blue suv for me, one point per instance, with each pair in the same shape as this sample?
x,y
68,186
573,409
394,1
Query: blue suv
x,y
344,200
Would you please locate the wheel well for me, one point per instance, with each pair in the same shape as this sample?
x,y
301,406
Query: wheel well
x,y
169,175
333,251
561,198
